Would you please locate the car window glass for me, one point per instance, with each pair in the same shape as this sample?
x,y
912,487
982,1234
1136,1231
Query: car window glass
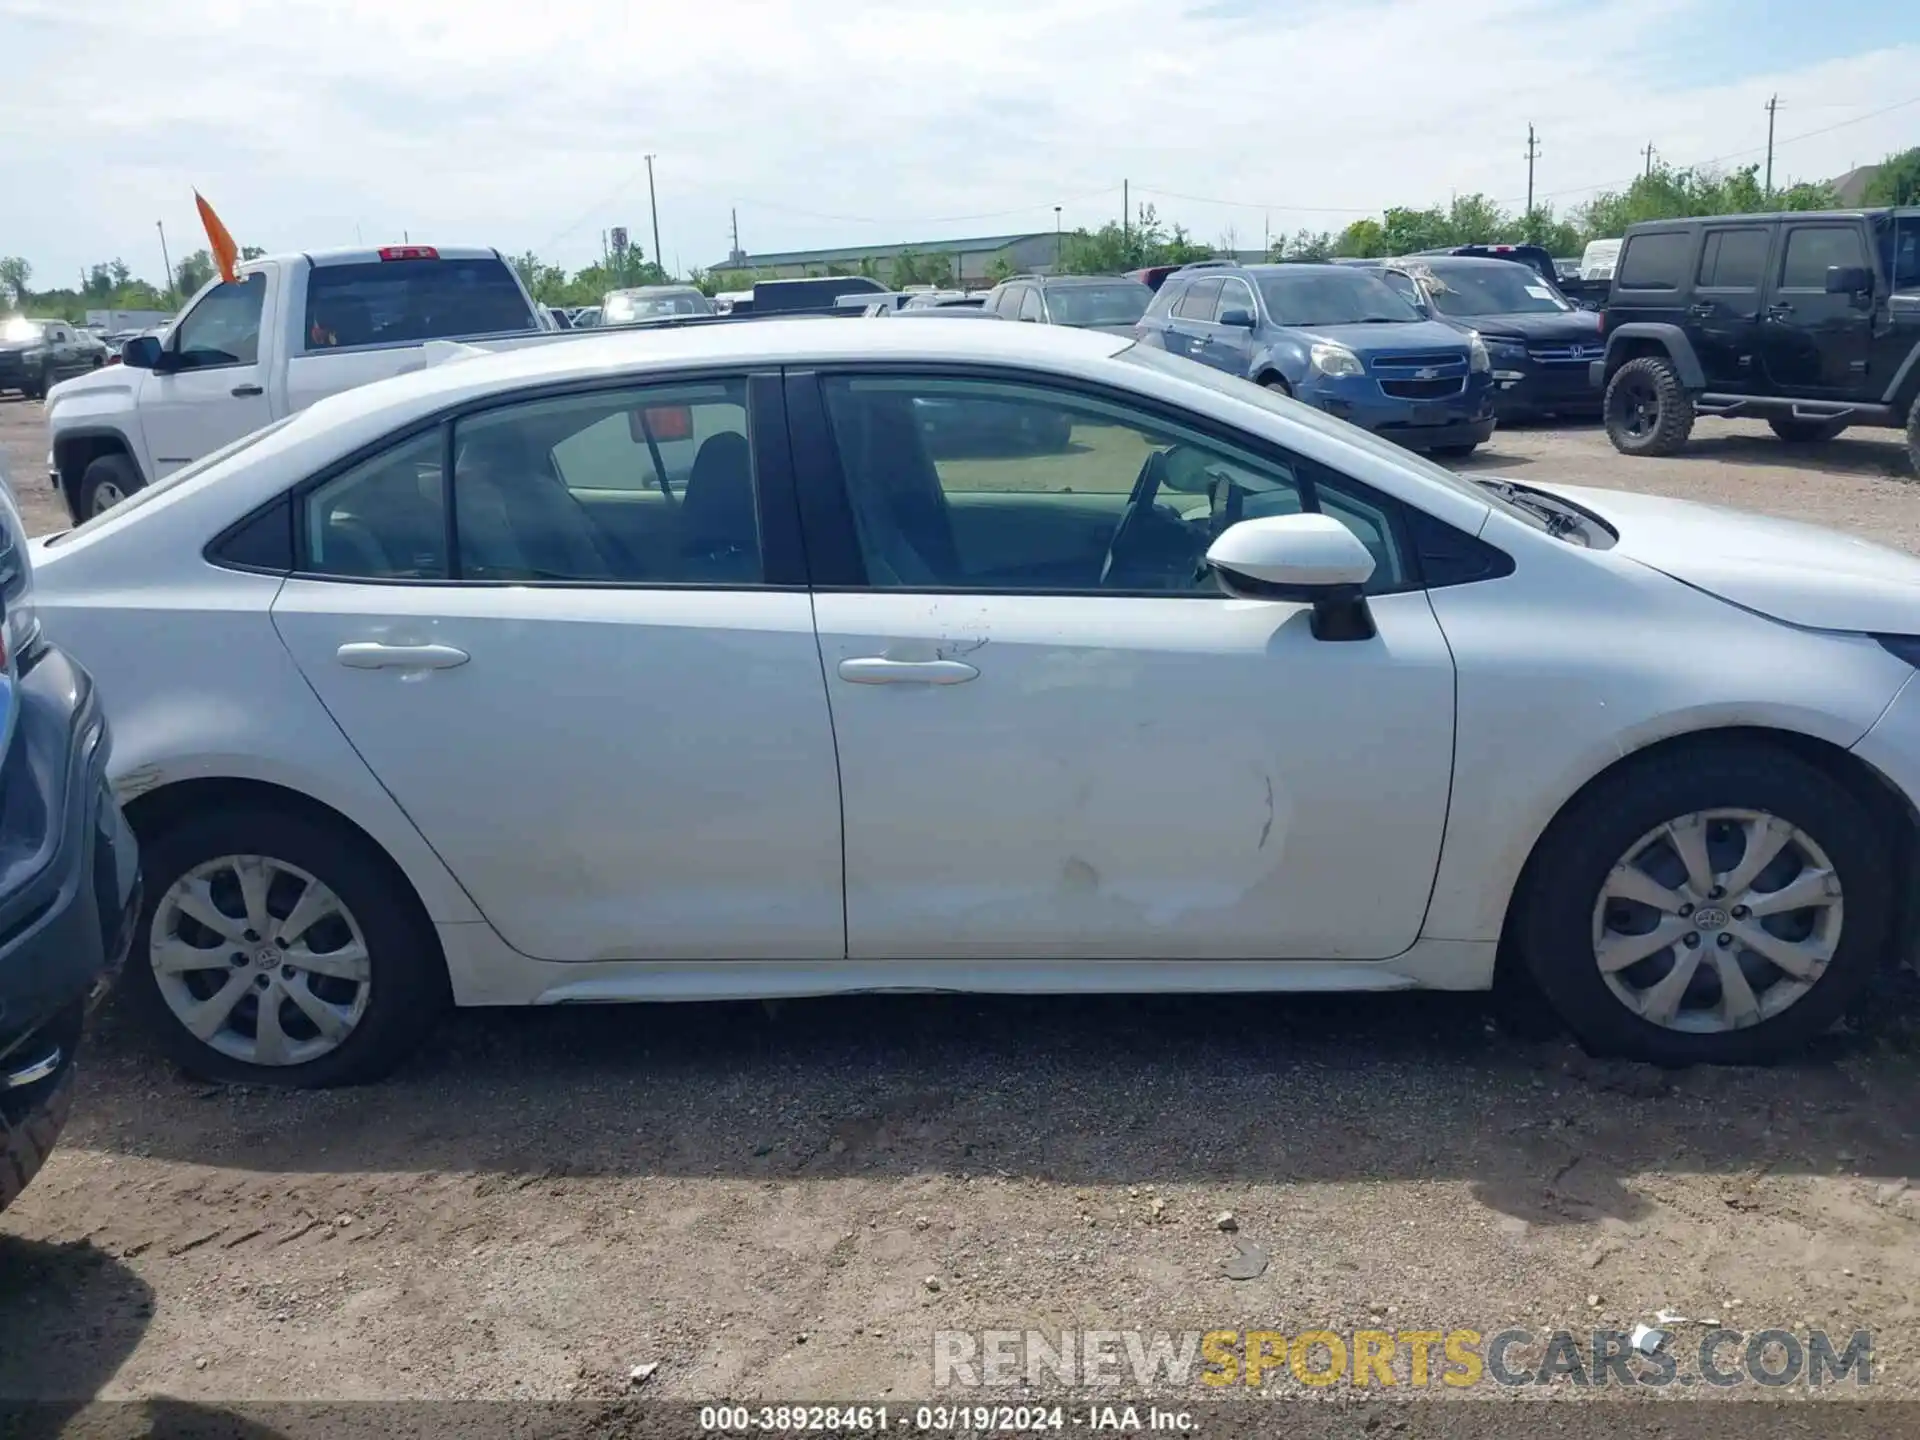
x,y
1403,285
1164,299
397,302
1813,249
1734,259
1656,261
652,485
384,519
1198,302
1234,295
991,485
1030,307
224,328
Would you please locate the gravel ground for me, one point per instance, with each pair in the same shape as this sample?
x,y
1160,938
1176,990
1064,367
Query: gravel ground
x,y
786,1202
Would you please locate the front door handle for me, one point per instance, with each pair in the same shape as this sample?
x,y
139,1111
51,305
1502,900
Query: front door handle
x,y
878,670
1779,311
375,655
242,391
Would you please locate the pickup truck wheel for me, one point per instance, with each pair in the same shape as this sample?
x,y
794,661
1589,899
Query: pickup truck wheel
x,y
1647,409
106,482
276,949
1796,431
1913,435
1707,906
36,389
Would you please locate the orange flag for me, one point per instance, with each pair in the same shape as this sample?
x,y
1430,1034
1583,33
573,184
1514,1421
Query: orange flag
x,y
226,254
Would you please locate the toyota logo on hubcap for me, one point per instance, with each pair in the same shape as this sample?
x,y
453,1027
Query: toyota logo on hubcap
x,y
1710,917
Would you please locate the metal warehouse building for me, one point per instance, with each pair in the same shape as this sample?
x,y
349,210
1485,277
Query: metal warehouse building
x,y
971,261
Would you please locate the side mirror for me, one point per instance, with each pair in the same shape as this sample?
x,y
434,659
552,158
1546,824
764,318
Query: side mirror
x,y
1243,319
1849,280
1299,557
141,353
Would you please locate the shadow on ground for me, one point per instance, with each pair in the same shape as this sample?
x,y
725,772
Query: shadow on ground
x,y
69,1316
1105,1090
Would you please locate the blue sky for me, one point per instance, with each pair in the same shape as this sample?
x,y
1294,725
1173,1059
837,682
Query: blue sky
x,y
324,122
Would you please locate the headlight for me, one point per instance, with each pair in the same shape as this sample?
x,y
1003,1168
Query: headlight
x,y
1332,360
1477,359
22,627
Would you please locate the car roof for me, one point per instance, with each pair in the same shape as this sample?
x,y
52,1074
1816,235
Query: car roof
x,y
563,356
370,255
1766,217
1052,280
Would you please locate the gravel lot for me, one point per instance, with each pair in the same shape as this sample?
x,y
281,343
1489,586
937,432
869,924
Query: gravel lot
x,y
757,1198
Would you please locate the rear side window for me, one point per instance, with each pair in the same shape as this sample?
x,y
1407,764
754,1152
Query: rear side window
x,y
1164,299
1734,259
407,302
1198,302
1813,249
1654,262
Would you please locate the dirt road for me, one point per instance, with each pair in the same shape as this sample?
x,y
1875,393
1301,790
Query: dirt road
x,y
788,1204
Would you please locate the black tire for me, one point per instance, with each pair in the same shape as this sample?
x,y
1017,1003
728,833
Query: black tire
x,y
1913,435
1455,452
1647,409
1796,431
113,476
408,978
1554,909
37,389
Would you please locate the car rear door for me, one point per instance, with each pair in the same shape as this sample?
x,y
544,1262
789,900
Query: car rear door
x,y
1230,347
1814,343
604,708
1192,320
1056,745
1724,314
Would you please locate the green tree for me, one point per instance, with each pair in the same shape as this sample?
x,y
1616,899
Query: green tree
x,y
1898,180
193,272
15,272
1362,240
1000,268
1113,248
1302,246
1666,193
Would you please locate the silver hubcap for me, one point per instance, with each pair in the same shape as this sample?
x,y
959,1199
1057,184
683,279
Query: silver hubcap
x,y
260,961
106,495
1717,920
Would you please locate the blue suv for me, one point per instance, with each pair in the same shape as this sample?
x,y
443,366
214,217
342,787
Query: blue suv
x,y
1336,337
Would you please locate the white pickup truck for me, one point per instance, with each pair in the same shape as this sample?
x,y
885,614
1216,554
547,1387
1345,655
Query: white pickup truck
x,y
290,330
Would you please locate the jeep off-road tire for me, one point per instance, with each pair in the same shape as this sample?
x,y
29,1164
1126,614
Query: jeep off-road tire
x,y
1797,431
1913,436
1569,935
27,1135
1647,408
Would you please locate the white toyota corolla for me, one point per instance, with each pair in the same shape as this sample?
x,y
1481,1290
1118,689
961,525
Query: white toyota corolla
x,y
786,658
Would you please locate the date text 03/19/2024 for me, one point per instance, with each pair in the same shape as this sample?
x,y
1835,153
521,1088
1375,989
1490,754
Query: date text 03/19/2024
x,y
940,1419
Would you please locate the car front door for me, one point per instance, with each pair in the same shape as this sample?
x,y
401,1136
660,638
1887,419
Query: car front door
x,y
1057,737
1814,343
1724,317
604,709
1230,347
211,388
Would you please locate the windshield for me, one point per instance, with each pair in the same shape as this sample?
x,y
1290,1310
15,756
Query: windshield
x,y
1333,296
18,330
1121,303
647,307
1898,237
1495,288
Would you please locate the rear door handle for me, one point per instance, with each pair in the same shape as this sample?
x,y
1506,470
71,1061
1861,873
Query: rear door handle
x,y
1705,312
375,655
878,670
1778,310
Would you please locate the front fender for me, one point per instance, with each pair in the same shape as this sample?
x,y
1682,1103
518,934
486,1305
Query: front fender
x,y
1670,338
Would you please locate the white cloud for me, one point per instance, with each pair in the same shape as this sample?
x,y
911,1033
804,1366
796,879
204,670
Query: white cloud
x,y
311,121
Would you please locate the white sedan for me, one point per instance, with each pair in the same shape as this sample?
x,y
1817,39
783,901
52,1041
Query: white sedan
x,y
812,656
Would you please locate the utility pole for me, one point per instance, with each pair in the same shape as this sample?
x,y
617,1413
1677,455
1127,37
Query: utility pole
x,y
1059,241
172,291
655,209
737,256
1773,108
1126,218
1649,152
1533,154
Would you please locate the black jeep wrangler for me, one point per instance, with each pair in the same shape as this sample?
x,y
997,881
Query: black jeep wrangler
x,y
1808,320
69,877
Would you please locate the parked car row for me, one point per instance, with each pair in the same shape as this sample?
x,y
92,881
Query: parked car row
x,y
36,355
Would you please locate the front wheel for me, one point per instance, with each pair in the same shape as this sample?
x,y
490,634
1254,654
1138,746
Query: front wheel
x,y
1455,452
106,482
1647,409
277,949
1796,431
1717,906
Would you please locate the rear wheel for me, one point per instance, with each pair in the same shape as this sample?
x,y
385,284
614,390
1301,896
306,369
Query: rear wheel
x,y
1455,452
105,483
1715,906
278,949
1647,408
1913,435
1796,431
